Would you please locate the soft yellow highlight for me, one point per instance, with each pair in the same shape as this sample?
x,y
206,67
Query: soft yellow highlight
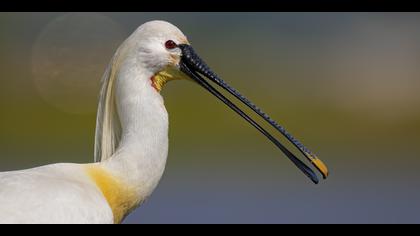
x,y
120,197
320,166
167,74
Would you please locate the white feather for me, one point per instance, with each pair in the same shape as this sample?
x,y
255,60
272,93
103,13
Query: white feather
x,y
131,143
58,193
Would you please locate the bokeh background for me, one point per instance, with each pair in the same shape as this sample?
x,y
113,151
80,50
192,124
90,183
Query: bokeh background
x,y
345,84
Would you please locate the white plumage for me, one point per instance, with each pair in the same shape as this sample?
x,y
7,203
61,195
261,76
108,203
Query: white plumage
x,y
58,193
131,143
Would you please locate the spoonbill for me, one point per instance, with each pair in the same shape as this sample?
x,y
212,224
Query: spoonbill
x,y
131,139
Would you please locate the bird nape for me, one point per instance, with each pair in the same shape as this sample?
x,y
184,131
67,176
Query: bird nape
x,y
131,139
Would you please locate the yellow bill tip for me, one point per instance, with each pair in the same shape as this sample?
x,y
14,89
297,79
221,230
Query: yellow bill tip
x,y
321,167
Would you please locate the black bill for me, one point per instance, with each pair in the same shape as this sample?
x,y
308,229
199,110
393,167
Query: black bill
x,y
192,65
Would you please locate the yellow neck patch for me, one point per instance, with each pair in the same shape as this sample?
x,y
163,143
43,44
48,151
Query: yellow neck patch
x,y
165,75
120,197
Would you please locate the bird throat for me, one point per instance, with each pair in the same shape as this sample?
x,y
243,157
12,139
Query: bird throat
x,y
158,81
162,77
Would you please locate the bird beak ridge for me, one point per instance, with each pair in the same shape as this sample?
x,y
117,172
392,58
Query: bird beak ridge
x,y
192,65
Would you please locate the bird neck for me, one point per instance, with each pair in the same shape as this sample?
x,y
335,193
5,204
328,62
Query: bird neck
x,y
139,160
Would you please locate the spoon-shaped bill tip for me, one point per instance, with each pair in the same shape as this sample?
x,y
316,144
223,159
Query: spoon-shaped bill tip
x,y
321,167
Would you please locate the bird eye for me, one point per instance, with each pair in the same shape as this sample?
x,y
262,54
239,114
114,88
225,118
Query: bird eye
x,y
170,44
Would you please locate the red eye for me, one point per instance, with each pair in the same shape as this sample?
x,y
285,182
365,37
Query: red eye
x,y
170,44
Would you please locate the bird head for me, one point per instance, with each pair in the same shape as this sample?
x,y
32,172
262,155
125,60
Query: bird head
x,y
165,51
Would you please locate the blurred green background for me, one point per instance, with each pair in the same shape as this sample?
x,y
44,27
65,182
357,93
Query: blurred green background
x,y
347,85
